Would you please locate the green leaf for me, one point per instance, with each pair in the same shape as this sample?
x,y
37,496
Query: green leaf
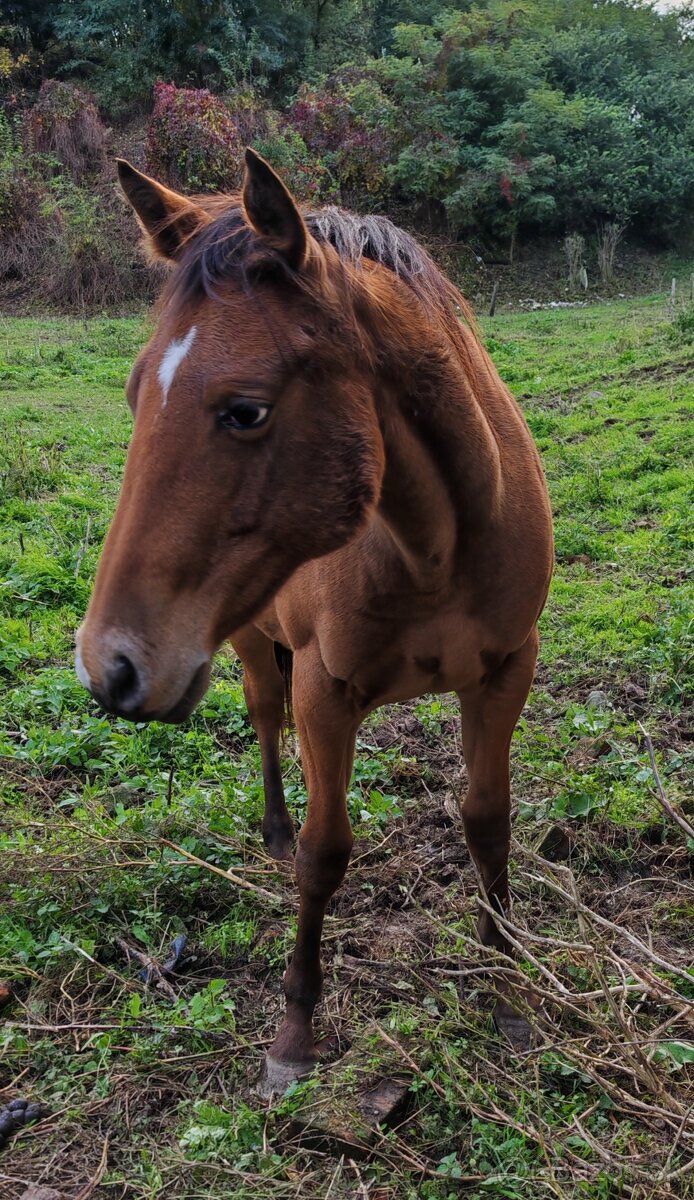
x,y
680,1053
580,805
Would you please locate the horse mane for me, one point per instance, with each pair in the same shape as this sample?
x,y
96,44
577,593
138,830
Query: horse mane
x,y
226,248
355,237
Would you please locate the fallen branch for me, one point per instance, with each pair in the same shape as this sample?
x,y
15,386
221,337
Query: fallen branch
x,y
150,964
409,1060
665,803
229,875
98,1175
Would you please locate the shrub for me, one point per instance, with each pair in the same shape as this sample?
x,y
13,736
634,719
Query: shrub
x,y
196,142
64,245
682,329
192,140
574,249
252,116
346,126
20,64
609,237
308,178
64,125
259,125
93,262
6,136
25,228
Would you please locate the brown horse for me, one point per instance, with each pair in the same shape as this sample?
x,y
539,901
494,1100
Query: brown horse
x,y
324,462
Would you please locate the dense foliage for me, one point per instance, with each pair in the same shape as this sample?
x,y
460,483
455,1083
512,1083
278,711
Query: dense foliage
x,y
64,237
492,117
193,140
64,123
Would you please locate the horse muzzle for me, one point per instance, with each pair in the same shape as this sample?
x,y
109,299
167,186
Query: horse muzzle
x,y
121,680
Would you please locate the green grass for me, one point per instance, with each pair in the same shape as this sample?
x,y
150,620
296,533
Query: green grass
x,y
88,804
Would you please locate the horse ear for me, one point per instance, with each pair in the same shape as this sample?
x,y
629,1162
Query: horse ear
x,y
272,211
167,219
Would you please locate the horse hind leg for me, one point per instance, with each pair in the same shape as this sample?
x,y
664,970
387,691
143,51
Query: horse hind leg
x,y
263,688
489,716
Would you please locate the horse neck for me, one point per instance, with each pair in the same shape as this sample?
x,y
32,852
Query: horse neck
x,y
442,482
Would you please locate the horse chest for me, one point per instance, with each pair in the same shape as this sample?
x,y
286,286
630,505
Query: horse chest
x,y
382,661
404,662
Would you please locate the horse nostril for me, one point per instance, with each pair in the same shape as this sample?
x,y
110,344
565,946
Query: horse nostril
x,y
123,683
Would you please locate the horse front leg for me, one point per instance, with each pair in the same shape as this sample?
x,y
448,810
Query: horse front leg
x,y
327,732
489,716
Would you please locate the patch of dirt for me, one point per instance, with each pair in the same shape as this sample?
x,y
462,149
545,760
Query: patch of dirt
x,y
655,372
401,927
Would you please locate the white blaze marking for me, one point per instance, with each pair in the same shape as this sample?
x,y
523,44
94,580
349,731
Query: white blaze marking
x,y
81,672
173,357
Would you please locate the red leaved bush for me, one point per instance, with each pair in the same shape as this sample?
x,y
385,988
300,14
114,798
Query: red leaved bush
x,y
356,146
196,140
193,142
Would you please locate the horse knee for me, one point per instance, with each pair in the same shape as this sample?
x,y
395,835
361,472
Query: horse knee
x,y
487,821
264,712
321,864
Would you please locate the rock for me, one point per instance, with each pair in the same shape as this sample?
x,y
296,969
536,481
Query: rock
x,y
36,1191
598,699
555,844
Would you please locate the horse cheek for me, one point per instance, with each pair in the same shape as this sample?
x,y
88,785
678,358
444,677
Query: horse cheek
x,y
333,491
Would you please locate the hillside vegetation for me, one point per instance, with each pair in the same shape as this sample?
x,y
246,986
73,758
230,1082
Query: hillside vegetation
x,y
481,124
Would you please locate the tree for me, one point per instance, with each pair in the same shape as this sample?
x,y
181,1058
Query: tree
x,y
503,116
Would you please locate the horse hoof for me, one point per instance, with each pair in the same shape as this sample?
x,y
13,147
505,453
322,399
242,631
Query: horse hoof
x,y
280,848
277,1076
513,1026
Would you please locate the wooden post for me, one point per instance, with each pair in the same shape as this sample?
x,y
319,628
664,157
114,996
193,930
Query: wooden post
x,y
691,287
492,306
673,298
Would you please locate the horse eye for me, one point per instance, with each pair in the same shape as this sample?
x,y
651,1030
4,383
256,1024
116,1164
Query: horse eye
x,y
244,414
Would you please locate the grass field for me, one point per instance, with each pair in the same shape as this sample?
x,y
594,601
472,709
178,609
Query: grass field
x,y
151,1092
